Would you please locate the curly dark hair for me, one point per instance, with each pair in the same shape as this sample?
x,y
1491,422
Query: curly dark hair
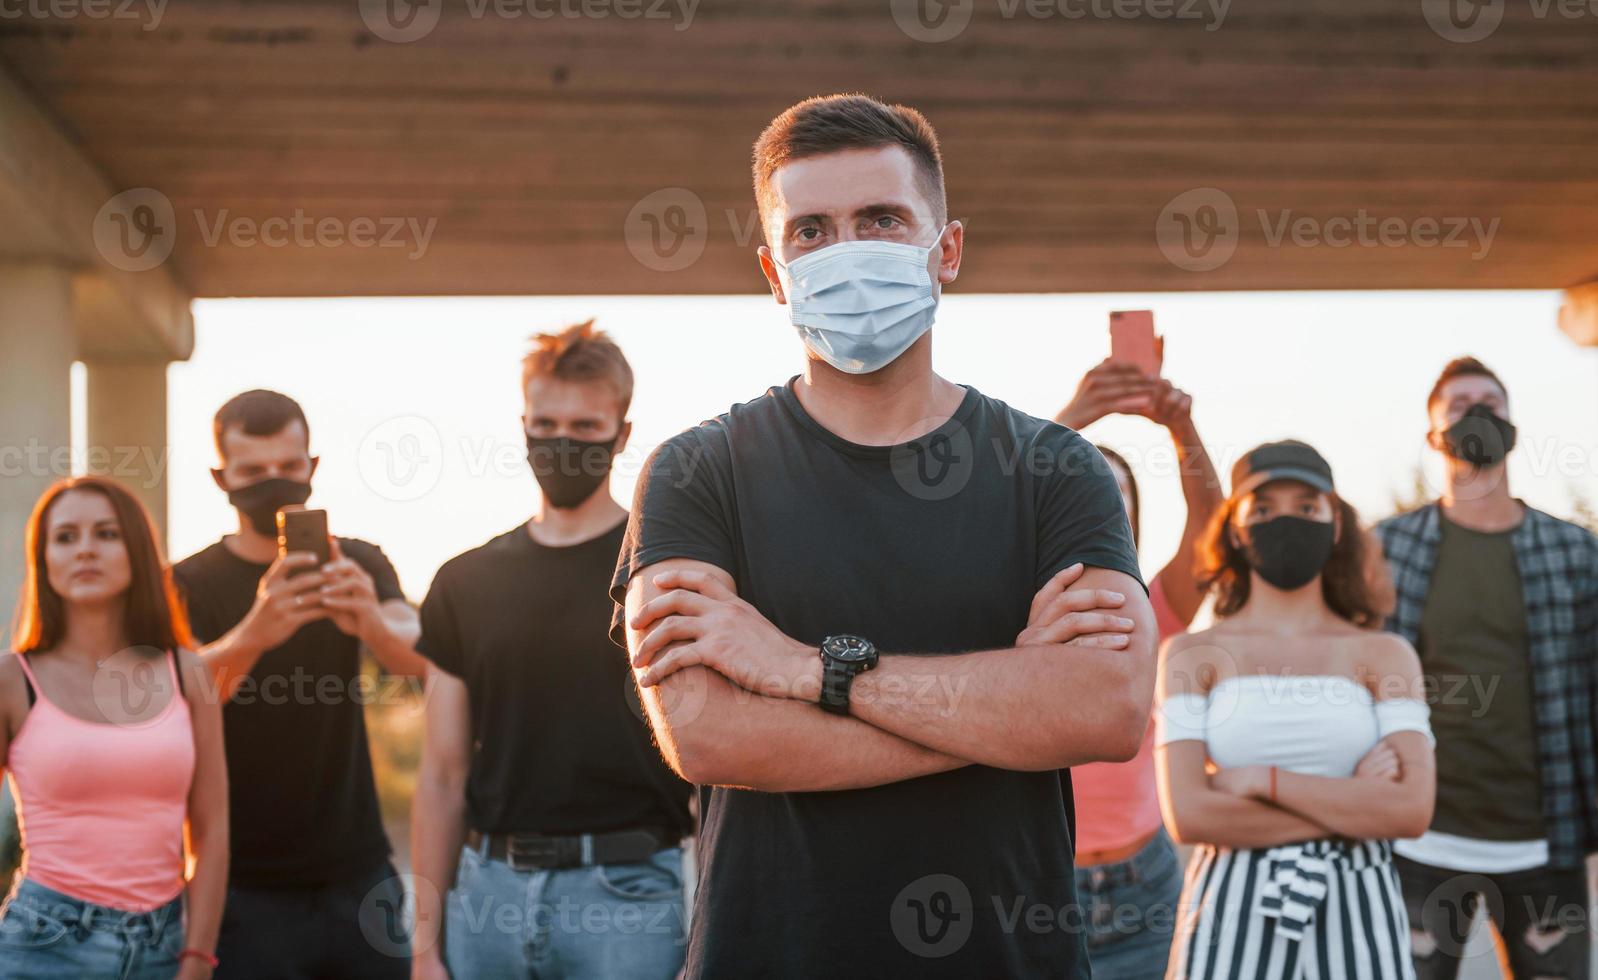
x,y
1223,568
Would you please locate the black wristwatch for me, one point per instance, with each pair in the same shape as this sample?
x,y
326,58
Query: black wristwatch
x,y
843,657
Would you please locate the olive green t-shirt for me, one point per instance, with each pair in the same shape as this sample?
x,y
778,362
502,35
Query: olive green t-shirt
x,y
1477,661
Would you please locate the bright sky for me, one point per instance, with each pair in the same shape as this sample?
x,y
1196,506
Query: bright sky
x,y
414,403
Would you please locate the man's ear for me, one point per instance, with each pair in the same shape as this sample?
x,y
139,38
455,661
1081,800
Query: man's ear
x,y
622,435
221,484
768,266
314,460
1436,440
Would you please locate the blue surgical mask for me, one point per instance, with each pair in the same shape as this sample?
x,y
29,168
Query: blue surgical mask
x,y
859,305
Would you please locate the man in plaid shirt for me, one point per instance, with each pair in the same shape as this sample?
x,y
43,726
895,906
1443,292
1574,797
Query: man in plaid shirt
x,y
1501,600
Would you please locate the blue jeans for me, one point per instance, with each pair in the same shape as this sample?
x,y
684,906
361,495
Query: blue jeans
x,y
605,922
1129,910
45,935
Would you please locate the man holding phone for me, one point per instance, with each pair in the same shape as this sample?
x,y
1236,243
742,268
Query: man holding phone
x,y
537,757
281,640
864,608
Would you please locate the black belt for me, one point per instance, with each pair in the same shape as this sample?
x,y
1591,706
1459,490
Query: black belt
x,y
527,852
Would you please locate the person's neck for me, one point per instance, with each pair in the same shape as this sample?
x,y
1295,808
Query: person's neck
x,y
93,632
559,527
250,544
1271,610
894,405
1479,499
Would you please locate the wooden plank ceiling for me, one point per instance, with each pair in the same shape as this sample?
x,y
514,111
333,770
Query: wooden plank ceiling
x,y
583,154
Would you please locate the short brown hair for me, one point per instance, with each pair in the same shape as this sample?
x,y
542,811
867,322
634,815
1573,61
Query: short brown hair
x,y
1463,367
1223,568
153,614
832,123
257,412
580,353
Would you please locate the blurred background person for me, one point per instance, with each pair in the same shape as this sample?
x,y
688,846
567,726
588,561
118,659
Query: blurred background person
x,y
1314,725
114,745
1501,600
537,757
311,880
1128,874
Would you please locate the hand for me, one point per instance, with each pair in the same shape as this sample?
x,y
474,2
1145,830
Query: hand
x,y
1379,763
283,604
1250,782
1077,617
1170,406
428,966
350,596
1110,387
698,620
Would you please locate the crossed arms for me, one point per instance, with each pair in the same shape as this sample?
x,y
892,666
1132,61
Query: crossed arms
x,y
733,700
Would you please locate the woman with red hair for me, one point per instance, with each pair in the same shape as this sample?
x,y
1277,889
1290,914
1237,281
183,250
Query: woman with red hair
x,y
113,740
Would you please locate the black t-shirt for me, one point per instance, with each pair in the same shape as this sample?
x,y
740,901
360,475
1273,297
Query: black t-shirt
x,y
300,791
932,546
560,742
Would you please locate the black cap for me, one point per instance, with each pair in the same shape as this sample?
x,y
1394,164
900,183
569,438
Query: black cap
x,y
1286,460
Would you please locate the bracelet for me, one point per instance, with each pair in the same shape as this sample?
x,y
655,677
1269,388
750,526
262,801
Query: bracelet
x,y
201,954
1273,784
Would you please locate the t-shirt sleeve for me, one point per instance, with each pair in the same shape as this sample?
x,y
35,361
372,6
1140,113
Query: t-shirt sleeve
x,y
370,557
1080,514
440,641
681,509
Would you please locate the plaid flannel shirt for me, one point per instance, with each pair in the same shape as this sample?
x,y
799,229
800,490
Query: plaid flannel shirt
x,y
1558,564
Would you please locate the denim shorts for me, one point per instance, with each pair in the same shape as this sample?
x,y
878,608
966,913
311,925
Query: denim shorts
x,y
46,935
1130,909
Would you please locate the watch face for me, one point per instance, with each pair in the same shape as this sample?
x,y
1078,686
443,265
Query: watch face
x,y
849,649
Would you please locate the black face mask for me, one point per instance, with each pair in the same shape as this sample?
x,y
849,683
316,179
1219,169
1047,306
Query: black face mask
x,y
260,502
1481,437
1289,552
569,470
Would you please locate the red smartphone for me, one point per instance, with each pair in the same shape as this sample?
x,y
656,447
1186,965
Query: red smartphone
x,y
304,530
1132,340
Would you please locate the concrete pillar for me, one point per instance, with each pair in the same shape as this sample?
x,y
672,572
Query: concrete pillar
x,y
1578,315
37,345
126,431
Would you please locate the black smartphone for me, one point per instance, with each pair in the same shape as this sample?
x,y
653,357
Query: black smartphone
x,y
304,530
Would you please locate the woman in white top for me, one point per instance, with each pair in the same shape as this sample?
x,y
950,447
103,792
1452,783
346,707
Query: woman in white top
x,y
1292,742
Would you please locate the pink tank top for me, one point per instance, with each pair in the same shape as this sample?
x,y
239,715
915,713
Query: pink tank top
x,y
101,805
1116,803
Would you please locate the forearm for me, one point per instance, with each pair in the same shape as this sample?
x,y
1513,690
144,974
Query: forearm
x,y
393,640
230,659
718,734
438,830
1207,816
1040,707
207,890
1201,485
1364,809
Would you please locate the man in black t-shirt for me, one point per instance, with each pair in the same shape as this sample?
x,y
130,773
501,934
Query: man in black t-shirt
x,y
311,891
538,759
877,615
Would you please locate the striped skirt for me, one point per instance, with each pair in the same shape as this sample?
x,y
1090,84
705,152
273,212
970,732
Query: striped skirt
x,y
1319,910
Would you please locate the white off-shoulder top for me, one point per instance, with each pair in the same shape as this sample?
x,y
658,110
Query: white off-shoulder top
x,y
1318,724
